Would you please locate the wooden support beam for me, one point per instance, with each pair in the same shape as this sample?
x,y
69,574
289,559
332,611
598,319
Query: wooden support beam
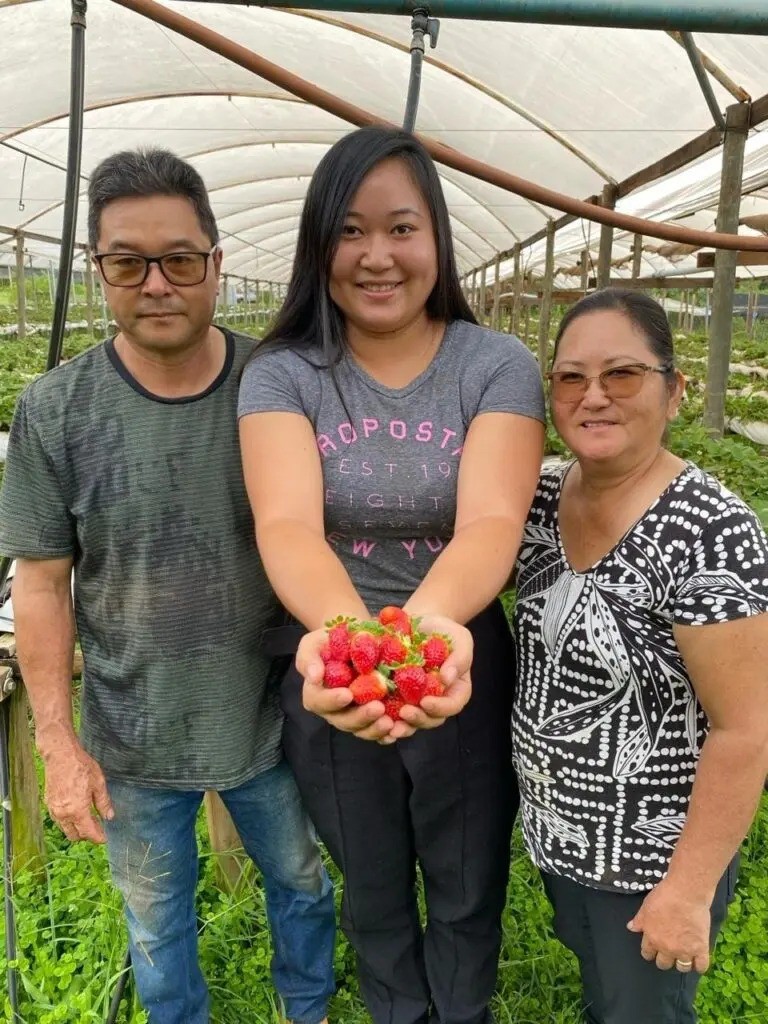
x,y
706,260
545,309
657,282
637,256
737,126
231,860
518,291
21,290
29,853
606,239
483,294
495,324
89,293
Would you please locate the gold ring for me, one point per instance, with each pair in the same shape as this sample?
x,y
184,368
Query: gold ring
x,y
684,963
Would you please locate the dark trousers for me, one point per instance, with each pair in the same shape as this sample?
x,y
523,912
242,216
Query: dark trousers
x,y
444,799
619,987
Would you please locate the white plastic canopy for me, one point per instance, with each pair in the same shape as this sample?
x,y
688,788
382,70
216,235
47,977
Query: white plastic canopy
x,y
570,108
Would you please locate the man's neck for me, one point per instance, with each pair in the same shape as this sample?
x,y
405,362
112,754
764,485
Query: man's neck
x,y
177,374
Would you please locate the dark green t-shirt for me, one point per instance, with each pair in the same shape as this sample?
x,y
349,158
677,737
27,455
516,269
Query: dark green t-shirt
x,y
147,495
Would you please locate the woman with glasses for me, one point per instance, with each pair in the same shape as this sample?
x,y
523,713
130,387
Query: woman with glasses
x,y
640,723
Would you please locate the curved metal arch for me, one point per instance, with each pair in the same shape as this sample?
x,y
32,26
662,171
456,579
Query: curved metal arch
x,y
487,90
145,97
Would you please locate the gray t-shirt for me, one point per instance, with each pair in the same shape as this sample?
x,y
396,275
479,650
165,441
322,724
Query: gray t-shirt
x,y
146,494
390,456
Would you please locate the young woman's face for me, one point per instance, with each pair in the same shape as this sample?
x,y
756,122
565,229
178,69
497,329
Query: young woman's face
x,y
385,265
599,426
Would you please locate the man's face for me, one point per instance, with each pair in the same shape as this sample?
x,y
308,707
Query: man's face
x,y
158,317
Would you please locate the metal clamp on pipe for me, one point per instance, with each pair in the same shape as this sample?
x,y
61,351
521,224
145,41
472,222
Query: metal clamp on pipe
x,y
421,25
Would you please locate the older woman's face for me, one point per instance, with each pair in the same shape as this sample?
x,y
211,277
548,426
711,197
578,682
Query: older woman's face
x,y
596,426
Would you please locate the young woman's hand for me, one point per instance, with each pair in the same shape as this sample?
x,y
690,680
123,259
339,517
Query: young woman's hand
x,y
367,721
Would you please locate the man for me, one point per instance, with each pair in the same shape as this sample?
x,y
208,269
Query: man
x,y
123,464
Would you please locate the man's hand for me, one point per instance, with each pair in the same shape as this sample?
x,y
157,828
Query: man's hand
x,y
368,721
675,929
74,786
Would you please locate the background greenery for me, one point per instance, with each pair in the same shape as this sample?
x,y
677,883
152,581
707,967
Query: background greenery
x,y
71,937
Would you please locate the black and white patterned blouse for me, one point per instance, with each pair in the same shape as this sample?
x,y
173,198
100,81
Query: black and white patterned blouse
x,y
606,727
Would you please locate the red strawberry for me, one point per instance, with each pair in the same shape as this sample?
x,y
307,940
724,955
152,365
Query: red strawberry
x,y
326,653
392,650
435,686
337,673
435,649
369,686
397,619
338,641
411,681
364,651
392,705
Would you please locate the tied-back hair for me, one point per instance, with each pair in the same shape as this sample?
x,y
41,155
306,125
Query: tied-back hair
x,y
643,312
308,316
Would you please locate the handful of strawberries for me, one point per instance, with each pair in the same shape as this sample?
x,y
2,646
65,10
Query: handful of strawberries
x,y
387,660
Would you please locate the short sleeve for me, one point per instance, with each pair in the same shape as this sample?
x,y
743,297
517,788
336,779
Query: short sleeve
x,y
726,573
271,384
35,521
515,384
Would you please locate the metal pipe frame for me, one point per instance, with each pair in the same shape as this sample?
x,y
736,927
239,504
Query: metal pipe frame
x,y
74,153
441,153
748,17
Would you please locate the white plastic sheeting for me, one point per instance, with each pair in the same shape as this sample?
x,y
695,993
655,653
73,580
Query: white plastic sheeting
x,y
570,108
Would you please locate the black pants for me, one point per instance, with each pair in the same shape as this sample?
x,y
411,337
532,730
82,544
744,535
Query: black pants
x,y
619,987
445,799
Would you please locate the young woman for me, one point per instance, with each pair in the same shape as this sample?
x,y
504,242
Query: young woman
x,y
391,448
640,723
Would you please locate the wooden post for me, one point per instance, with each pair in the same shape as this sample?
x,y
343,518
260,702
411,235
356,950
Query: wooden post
x,y
257,289
89,290
26,817
606,239
474,302
527,325
33,279
496,294
21,288
637,256
231,860
245,301
483,293
737,126
585,270
545,309
224,297
517,290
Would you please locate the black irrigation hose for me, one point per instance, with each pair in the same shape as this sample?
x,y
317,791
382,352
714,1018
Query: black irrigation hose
x,y
74,154
10,915
117,995
421,25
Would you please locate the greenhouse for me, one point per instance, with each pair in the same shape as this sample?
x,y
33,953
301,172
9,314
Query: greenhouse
x,y
580,144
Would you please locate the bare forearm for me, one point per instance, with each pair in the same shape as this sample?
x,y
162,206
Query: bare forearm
x,y
45,639
726,792
306,575
470,572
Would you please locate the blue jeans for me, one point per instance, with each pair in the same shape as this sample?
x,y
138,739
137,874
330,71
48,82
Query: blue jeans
x,y
153,858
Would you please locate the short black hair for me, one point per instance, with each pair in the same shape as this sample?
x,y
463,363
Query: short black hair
x,y
147,172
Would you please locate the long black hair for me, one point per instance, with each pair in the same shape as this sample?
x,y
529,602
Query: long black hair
x,y
308,315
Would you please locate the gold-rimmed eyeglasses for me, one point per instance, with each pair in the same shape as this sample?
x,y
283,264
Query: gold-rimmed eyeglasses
x,y
616,382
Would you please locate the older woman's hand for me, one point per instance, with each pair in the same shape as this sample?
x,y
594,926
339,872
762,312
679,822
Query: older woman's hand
x,y
675,928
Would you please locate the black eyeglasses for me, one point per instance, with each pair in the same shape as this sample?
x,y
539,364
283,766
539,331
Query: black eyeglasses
x,y
617,382
129,270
